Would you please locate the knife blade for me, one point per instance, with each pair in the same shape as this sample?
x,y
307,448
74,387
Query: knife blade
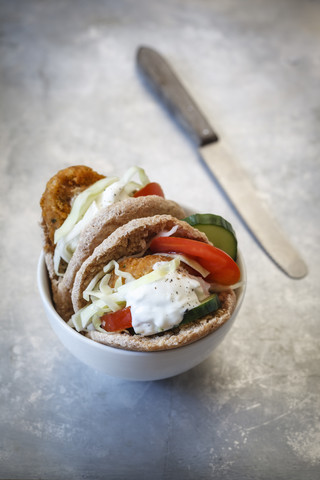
x,y
228,172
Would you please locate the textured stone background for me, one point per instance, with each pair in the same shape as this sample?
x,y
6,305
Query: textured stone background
x,y
69,94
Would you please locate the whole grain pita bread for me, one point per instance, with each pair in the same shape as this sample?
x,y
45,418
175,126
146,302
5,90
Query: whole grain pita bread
x,y
132,239
102,225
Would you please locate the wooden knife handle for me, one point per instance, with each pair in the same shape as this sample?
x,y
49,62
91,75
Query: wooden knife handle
x,y
170,89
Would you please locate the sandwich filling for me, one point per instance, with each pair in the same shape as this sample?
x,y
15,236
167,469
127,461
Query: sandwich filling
x,y
155,290
87,204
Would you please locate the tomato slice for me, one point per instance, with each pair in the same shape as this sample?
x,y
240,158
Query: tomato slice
x,y
151,188
223,269
117,321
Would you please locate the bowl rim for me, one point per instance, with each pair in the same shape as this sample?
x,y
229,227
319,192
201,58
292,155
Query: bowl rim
x,y
44,288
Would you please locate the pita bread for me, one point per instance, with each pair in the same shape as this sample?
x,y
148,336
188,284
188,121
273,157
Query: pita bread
x,y
102,225
131,239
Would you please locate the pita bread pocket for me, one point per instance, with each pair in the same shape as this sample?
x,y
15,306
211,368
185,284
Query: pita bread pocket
x,y
64,256
133,240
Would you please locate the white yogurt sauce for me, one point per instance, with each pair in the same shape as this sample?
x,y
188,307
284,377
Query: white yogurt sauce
x,y
114,193
160,305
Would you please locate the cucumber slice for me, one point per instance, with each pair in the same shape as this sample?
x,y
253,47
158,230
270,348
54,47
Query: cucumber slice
x,y
211,304
218,230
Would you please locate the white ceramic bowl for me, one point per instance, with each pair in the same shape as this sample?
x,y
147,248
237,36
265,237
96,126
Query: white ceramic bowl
x,y
133,365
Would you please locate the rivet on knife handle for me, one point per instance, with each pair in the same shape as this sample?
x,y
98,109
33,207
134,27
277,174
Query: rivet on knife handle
x,y
163,79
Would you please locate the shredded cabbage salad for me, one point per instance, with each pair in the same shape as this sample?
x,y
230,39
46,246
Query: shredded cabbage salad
x,y
87,204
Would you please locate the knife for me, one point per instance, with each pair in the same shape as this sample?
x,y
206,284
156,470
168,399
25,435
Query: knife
x,y
228,172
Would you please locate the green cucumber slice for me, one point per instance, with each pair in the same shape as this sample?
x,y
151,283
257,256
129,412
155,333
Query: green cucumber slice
x,y
211,304
218,230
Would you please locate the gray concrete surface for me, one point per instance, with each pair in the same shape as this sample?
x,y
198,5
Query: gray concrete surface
x,y
70,94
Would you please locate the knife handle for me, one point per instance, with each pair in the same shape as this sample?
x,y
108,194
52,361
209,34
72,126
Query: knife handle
x,y
170,89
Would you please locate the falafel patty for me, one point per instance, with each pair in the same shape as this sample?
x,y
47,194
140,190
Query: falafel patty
x,y
56,200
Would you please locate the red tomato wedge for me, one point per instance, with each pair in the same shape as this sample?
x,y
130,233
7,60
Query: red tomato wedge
x,y
223,269
151,188
117,321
